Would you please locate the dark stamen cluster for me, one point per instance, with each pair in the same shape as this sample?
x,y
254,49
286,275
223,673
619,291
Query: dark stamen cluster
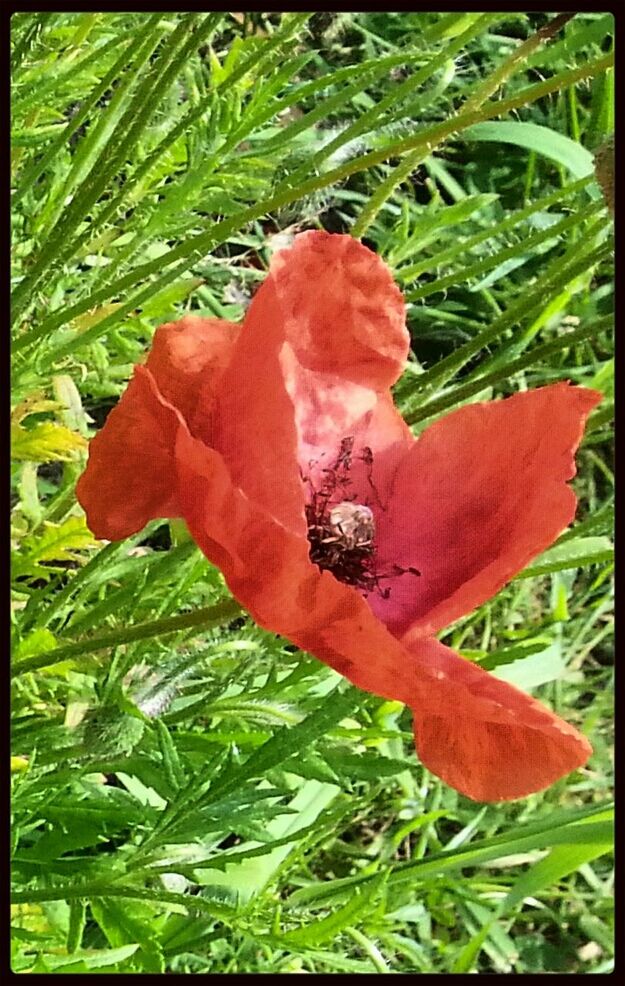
x,y
341,532
353,563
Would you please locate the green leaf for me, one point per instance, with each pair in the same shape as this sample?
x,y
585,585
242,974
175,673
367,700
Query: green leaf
x,y
171,761
542,140
57,543
166,300
123,927
427,226
327,929
560,862
287,742
45,442
466,959
84,960
35,643
573,553
248,871
369,767
288,191
77,921
68,396
530,671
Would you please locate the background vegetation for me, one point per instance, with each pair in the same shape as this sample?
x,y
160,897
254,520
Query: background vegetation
x,y
185,798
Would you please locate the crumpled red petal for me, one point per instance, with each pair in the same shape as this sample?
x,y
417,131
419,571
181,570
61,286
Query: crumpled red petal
x,y
129,477
187,359
329,409
479,494
253,425
465,719
344,350
324,332
342,312
484,737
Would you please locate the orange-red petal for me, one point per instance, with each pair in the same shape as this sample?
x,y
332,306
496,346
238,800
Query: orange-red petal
x,y
253,422
129,478
187,358
483,736
329,409
466,721
476,497
342,312
323,339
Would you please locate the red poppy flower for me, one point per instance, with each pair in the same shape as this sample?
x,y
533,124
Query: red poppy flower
x,y
278,443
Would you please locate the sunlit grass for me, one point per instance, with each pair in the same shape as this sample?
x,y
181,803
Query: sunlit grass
x,y
158,161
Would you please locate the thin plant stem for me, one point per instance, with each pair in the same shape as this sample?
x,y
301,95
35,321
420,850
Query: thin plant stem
x,y
199,619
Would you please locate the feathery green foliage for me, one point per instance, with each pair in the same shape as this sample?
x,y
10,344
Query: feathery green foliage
x,y
185,797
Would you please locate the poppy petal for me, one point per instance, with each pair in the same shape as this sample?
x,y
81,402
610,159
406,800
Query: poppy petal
x,y
479,494
186,359
325,332
483,736
347,343
253,425
268,570
130,478
329,409
342,312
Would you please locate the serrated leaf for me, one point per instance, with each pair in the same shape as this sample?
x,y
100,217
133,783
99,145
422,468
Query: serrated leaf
x,y
256,865
287,742
312,767
37,642
59,542
329,927
427,225
171,761
163,300
83,961
217,72
227,858
34,403
77,921
368,767
78,825
46,442
123,926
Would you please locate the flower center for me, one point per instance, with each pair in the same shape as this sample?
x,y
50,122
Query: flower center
x,y
342,532
342,541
